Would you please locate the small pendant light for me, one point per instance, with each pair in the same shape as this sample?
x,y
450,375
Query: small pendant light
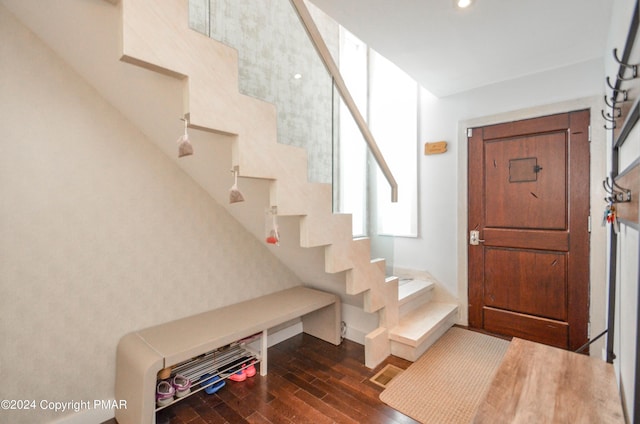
x,y
184,145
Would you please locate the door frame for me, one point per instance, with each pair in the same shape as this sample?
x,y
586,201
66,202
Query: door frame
x,y
598,236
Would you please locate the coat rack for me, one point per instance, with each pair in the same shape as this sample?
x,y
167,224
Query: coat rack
x,y
618,95
623,187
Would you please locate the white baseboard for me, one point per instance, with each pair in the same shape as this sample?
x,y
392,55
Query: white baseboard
x,y
355,335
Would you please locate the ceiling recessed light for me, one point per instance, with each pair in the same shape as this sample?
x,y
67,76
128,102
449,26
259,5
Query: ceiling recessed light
x,y
463,3
297,76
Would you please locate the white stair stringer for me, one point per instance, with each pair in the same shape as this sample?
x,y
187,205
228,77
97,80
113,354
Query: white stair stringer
x,y
377,347
156,36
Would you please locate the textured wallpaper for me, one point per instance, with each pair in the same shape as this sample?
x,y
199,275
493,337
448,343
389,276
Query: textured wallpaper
x,y
100,234
272,48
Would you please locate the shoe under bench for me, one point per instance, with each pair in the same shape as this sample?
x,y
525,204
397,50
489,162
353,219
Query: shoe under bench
x,y
142,354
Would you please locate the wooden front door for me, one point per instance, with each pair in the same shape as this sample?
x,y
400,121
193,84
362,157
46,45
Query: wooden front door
x,y
529,203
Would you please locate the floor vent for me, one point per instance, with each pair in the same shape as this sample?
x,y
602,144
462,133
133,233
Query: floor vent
x,y
385,375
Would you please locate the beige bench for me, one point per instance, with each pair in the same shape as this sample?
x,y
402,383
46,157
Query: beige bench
x,y
142,354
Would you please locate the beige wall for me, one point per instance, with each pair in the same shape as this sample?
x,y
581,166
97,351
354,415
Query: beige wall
x,y
100,234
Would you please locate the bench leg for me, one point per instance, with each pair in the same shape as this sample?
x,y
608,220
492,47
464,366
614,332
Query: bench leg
x,y
136,368
264,347
324,323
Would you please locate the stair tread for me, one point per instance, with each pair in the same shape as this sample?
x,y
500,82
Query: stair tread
x,y
409,289
419,323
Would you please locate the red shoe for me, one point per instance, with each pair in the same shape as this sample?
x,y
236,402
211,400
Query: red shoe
x,y
238,376
250,370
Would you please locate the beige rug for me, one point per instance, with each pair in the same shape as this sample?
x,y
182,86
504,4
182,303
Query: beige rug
x,y
447,383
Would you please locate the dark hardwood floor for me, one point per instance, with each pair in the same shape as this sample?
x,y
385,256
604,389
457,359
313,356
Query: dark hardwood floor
x,y
309,381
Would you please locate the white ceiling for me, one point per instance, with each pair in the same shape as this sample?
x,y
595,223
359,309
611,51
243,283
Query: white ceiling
x,y
448,50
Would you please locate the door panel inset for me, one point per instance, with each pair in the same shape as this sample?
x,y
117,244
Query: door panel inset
x,y
526,182
526,282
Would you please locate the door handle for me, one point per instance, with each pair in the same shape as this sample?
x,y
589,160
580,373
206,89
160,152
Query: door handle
x,y
474,238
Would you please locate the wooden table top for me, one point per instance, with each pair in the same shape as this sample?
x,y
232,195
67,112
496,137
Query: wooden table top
x,y
536,383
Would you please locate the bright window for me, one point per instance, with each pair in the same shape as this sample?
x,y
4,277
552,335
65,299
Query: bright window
x,y
352,157
393,117
388,99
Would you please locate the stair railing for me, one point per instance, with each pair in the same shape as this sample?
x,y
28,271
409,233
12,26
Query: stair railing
x,y
334,71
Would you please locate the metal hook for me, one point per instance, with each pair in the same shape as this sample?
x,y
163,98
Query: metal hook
x,y
607,117
634,68
613,106
607,186
610,185
621,196
616,91
613,127
613,181
618,115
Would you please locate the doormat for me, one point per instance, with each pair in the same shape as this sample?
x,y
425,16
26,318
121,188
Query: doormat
x,y
448,382
385,375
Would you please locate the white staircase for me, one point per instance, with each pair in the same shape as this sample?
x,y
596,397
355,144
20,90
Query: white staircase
x,y
422,321
145,60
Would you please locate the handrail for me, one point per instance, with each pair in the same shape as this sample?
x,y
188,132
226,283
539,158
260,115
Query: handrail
x,y
332,68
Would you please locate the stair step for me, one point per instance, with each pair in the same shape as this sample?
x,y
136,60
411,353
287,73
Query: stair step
x,y
419,329
410,289
413,294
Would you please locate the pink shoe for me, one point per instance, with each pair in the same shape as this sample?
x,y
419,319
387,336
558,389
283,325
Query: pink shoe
x,y
250,370
238,376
